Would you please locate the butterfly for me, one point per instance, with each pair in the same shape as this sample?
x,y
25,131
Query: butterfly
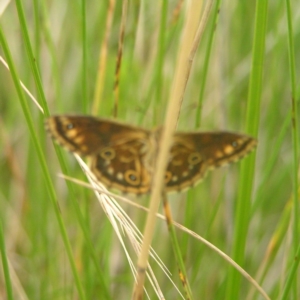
x,y
123,156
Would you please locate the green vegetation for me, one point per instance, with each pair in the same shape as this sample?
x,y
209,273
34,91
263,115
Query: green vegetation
x,y
56,241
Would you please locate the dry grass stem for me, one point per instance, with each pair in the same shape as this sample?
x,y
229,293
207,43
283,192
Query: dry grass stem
x,y
174,104
103,59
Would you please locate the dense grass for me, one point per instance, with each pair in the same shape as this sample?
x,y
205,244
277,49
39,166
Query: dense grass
x,y
58,242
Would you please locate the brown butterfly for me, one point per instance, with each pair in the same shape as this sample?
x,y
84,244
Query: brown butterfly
x,y
122,156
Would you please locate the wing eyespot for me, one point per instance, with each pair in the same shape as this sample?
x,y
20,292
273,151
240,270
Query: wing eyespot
x,y
132,177
70,126
234,144
108,153
194,158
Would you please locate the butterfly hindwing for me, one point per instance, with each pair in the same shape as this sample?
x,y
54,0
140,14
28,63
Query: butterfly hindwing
x,y
123,167
186,165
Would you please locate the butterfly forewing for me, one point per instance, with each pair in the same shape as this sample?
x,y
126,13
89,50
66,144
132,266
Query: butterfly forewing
x,y
86,135
220,148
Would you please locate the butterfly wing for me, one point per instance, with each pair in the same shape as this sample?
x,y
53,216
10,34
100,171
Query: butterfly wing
x,y
122,156
86,135
124,166
118,152
192,154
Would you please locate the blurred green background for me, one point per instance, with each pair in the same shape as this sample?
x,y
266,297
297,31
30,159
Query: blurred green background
x,y
68,62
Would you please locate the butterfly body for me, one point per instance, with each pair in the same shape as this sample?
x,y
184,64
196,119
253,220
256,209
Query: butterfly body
x,y
123,156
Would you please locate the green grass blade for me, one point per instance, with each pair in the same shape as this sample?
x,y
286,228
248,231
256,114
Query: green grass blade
x,y
292,277
42,161
243,206
5,266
